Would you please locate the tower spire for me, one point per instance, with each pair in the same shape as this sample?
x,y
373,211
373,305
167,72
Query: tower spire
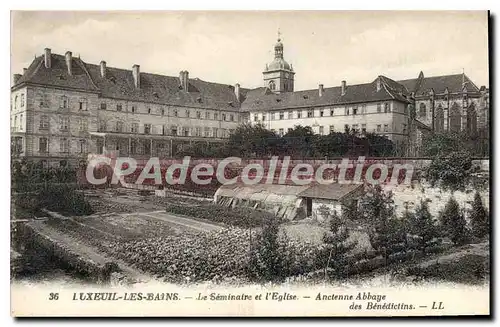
x,y
279,35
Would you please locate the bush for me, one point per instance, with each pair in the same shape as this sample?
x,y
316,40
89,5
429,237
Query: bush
x,y
64,199
452,172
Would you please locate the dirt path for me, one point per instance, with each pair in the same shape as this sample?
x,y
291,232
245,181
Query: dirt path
x,y
88,252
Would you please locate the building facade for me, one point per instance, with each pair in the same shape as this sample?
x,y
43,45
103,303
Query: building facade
x,y
63,108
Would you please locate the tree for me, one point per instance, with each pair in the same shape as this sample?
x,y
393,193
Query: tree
x,y
250,140
479,217
387,234
451,172
423,227
268,260
453,223
337,244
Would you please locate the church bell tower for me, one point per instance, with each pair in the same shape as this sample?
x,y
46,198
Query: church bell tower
x,y
279,75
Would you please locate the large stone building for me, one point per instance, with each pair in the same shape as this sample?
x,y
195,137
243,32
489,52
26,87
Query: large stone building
x,y
63,108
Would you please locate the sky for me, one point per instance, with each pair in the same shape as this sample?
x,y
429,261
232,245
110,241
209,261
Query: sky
x,y
234,47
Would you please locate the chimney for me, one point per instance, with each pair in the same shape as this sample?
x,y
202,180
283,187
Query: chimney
x,y
137,75
186,81
69,56
25,70
184,78
320,90
379,84
103,69
16,78
237,91
48,59
343,87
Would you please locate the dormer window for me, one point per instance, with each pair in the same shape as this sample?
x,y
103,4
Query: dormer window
x,y
155,94
278,100
112,79
199,99
306,97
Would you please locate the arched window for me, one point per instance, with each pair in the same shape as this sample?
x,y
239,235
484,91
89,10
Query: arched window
x,y
471,119
422,110
455,118
439,119
272,86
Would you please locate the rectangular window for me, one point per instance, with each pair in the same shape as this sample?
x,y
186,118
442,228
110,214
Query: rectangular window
x,y
379,128
363,128
379,107
133,109
82,146
214,131
281,131
290,115
134,127
64,145
187,113
147,128
263,117
83,125
347,111
207,132
175,112
332,129
321,130
198,131
355,110
43,145
103,106
64,123
282,115
310,113
386,128
119,126
255,118
102,126
21,122
331,112
355,127
321,113
173,130
44,122
22,100
119,107
185,131
387,108
207,115
299,114
198,115
216,116
231,117
223,117
404,128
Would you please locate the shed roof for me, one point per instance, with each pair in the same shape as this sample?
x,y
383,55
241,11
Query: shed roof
x,y
334,191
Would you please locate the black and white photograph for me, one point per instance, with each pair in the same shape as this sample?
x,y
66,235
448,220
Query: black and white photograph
x,y
250,163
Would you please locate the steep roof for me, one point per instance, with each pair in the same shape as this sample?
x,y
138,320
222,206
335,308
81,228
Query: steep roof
x,y
119,83
334,191
454,83
57,75
263,99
